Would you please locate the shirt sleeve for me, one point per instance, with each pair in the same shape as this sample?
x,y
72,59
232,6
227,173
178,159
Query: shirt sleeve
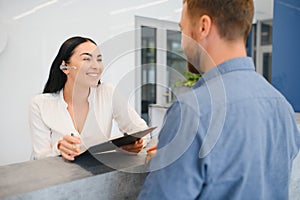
x,y
126,117
176,164
40,133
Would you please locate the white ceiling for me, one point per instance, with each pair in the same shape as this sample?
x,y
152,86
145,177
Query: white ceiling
x,y
13,8
263,9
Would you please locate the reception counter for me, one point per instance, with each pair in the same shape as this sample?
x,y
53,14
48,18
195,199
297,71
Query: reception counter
x,y
85,178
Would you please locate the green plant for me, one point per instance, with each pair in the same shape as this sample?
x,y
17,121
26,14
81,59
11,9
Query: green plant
x,y
190,80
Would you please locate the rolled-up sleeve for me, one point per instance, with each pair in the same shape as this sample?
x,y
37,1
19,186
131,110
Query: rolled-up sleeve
x,y
125,115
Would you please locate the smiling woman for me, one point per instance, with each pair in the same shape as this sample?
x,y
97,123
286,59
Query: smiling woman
x,y
58,77
75,111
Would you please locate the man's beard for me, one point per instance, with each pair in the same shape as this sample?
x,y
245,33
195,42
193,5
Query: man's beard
x,y
194,60
193,52
192,69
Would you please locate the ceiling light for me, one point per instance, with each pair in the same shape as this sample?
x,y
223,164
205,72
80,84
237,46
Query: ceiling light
x,y
137,7
34,9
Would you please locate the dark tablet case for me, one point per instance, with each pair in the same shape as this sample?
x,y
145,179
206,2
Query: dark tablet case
x,y
120,141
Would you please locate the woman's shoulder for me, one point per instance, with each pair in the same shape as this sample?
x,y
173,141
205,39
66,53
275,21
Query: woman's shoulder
x,y
105,89
42,98
106,86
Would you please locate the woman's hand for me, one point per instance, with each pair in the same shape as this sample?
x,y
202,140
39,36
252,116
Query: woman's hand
x,y
68,147
134,148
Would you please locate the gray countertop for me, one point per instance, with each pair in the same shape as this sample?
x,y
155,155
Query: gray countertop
x,y
87,178
48,179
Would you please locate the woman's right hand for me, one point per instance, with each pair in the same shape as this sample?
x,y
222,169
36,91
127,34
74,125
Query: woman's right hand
x,y
68,147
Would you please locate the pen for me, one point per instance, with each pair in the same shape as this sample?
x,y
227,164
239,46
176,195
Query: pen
x,y
72,134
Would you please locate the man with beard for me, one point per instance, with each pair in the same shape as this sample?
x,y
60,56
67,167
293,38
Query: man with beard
x,y
233,136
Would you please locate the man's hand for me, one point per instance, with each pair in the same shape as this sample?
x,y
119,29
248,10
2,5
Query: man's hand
x,y
151,152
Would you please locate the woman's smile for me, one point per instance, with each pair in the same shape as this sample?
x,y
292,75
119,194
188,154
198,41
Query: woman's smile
x,y
92,74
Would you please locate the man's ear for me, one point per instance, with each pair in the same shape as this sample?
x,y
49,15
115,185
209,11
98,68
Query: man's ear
x,y
204,28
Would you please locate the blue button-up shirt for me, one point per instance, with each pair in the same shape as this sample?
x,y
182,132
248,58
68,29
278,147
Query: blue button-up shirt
x,y
233,136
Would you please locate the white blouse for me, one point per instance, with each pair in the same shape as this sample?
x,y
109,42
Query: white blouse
x,y
50,120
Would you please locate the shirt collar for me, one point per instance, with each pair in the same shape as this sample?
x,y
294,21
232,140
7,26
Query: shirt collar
x,y
90,97
236,64
61,97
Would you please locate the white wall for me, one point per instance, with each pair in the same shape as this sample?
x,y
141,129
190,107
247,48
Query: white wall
x,y
33,41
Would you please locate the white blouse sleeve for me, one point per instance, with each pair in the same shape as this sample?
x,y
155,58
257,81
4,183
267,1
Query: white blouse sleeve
x,y
127,118
41,134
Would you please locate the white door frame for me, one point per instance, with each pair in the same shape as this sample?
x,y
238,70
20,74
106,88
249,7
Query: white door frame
x,y
161,58
260,49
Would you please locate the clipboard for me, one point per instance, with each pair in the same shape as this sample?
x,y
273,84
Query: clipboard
x,y
114,143
131,138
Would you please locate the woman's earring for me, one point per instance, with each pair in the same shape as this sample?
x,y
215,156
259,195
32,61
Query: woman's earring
x,y
63,67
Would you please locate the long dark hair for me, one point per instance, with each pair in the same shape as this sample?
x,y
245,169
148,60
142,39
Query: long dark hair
x,y
57,78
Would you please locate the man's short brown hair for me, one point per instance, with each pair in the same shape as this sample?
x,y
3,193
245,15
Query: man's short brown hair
x,y
233,18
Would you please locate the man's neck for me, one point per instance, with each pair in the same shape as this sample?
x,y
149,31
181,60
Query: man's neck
x,y
222,51
230,52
